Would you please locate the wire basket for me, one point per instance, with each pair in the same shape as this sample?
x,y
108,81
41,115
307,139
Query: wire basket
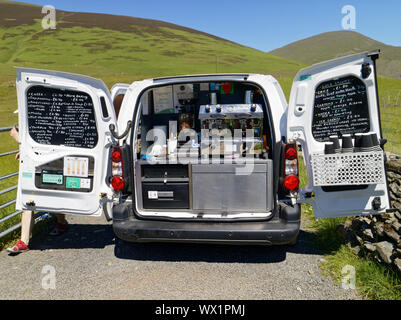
x,y
358,168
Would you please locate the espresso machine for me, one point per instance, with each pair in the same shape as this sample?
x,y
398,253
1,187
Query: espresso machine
x,y
231,129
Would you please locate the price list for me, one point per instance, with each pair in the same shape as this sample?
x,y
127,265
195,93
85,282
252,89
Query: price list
x,y
61,117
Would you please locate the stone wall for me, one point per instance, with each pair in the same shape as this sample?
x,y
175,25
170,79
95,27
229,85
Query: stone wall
x,y
379,237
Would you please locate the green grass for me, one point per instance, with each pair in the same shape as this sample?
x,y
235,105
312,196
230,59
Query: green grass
x,y
374,281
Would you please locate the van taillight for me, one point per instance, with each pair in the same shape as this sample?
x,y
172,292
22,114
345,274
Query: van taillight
x,y
117,177
117,183
291,179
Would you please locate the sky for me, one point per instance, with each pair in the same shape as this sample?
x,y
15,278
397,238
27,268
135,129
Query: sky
x,y
260,24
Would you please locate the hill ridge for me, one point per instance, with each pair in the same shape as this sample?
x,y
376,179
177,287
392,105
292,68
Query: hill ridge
x,y
332,44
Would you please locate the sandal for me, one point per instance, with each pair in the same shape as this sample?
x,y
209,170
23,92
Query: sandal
x,y
59,229
19,247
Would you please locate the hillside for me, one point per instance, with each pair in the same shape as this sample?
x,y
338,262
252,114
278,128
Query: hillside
x,y
118,49
330,45
104,43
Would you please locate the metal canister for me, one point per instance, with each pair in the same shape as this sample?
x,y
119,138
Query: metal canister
x,y
248,96
213,98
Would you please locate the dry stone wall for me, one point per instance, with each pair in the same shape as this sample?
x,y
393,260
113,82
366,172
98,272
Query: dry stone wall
x,y
379,237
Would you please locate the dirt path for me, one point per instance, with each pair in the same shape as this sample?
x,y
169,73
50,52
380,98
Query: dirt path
x,y
89,265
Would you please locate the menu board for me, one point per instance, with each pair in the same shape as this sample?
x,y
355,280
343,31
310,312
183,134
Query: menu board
x,y
341,107
61,117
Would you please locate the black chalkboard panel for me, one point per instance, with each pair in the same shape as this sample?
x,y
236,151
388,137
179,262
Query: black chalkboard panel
x,y
61,117
341,107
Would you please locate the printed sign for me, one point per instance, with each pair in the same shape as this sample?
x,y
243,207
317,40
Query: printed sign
x,y
73,183
27,175
152,195
163,100
85,183
52,178
76,167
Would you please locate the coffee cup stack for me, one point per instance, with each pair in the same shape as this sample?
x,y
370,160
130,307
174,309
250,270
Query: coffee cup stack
x,y
366,142
375,141
358,142
336,144
347,146
362,142
329,148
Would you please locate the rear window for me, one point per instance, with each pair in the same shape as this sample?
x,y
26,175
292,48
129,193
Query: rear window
x,y
61,117
340,107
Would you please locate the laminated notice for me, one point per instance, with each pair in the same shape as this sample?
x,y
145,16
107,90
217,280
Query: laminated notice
x,y
76,167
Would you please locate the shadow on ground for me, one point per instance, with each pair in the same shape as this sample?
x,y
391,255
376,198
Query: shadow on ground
x,y
99,236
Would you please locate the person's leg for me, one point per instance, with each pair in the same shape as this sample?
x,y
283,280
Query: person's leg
x,y
61,225
61,218
27,223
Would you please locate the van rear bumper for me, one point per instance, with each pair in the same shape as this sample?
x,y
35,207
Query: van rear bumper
x,y
274,232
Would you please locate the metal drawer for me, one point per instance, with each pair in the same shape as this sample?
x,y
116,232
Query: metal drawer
x,y
164,171
165,196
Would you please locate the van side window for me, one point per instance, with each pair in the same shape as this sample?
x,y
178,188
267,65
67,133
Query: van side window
x,y
340,107
118,100
61,117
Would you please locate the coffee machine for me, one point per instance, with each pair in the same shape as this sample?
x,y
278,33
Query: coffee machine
x,y
231,129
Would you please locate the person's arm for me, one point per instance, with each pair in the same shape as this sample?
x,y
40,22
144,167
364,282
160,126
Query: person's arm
x,y
14,133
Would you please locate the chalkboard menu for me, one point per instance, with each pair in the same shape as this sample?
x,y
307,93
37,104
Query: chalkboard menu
x,y
341,107
61,117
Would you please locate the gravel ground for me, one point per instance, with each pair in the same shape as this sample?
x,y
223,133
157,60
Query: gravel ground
x,y
88,264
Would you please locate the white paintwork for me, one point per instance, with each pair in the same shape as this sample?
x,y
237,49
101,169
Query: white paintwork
x,y
117,89
340,203
33,154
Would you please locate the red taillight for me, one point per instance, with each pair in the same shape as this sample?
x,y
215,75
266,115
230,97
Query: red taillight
x,y
117,171
291,153
117,183
290,170
291,183
116,156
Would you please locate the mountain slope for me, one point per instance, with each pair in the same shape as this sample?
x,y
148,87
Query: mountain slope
x,y
101,43
118,49
334,44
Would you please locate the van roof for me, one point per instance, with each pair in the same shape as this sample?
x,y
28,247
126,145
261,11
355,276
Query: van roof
x,y
240,75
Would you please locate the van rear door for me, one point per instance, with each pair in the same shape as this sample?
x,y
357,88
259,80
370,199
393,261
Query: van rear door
x,y
331,100
64,142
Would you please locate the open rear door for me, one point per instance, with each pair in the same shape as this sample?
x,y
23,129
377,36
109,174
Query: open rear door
x,y
64,142
338,98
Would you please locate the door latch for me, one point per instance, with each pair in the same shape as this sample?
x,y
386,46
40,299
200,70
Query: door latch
x,y
376,203
366,70
30,203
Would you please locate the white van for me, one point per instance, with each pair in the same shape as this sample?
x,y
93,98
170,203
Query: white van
x,y
204,158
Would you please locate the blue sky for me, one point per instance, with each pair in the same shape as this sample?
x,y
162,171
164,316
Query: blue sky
x,y
260,24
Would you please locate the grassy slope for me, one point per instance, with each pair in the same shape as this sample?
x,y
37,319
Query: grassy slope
x,y
117,49
330,45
